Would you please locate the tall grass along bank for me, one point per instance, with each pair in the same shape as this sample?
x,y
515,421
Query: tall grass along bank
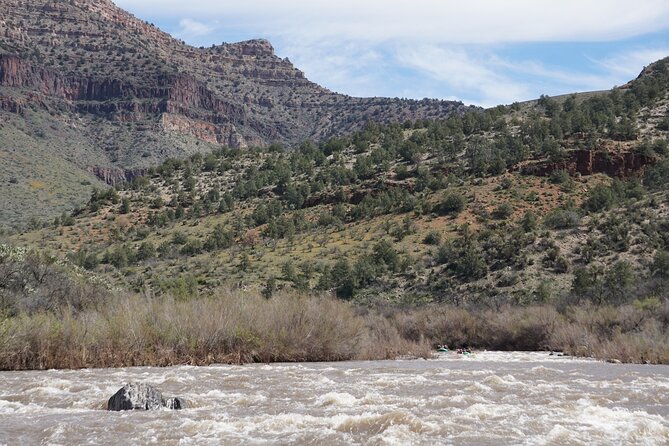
x,y
240,327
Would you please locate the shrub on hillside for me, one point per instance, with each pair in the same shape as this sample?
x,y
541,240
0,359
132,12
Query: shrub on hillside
x,y
660,267
562,219
503,211
452,204
657,176
600,198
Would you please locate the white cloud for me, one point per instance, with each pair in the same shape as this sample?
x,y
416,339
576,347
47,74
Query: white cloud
x,y
433,21
473,75
489,79
341,66
430,48
627,64
191,29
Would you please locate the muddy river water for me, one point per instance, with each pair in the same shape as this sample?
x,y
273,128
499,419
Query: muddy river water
x,y
486,399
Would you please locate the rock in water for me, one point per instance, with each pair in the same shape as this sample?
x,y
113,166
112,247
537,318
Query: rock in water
x,y
175,403
136,396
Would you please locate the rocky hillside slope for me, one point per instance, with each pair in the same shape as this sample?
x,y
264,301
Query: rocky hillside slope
x,y
86,88
557,200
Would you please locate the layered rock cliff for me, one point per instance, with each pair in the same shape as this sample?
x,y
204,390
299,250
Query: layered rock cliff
x,y
588,162
100,60
88,89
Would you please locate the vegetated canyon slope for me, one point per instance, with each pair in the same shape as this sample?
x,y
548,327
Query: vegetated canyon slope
x,y
88,92
553,200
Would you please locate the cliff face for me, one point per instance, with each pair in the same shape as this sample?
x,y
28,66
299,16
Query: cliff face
x,y
97,59
587,162
18,72
88,91
115,99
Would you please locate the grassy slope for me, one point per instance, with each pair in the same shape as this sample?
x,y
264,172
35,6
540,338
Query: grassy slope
x,y
317,245
38,179
46,157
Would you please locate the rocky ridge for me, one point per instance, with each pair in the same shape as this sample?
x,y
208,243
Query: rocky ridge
x,y
94,58
93,88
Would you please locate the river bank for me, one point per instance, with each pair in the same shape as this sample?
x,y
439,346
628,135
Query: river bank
x,y
236,327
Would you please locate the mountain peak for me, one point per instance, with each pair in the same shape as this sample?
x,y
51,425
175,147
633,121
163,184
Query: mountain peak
x,y
256,47
249,48
87,82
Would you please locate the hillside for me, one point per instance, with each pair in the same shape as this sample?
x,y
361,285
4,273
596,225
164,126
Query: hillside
x,y
535,226
90,94
545,201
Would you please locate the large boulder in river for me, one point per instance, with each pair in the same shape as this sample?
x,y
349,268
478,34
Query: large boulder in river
x,y
140,396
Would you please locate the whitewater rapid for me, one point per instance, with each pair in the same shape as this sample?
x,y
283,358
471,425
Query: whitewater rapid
x,y
486,399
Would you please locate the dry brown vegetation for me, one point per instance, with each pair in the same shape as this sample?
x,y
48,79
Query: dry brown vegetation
x,y
231,327
241,327
637,332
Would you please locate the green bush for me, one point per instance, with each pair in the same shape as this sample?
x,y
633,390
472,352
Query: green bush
x,y
503,211
181,287
600,198
528,222
452,204
146,251
120,256
660,267
432,238
664,124
657,177
562,219
192,247
125,206
219,238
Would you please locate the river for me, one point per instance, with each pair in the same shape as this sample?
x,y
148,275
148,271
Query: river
x,y
488,398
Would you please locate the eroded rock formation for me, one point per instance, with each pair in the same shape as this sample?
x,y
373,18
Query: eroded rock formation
x,y
588,162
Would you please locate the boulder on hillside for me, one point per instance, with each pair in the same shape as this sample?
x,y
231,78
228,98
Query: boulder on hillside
x,y
140,396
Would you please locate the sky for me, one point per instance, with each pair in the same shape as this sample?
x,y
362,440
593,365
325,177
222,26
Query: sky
x,y
482,52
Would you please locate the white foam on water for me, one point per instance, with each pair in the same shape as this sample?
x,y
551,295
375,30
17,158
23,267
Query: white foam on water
x,y
249,399
285,423
543,370
396,435
373,398
526,357
336,399
503,383
324,380
491,411
636,427
475,387
9,407
196,431
388,381
558,436
216,393
492,398
375,423
56,434
457,400
16,407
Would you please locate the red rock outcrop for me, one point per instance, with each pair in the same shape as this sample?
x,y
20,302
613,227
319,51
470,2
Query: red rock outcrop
x,y
588,162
